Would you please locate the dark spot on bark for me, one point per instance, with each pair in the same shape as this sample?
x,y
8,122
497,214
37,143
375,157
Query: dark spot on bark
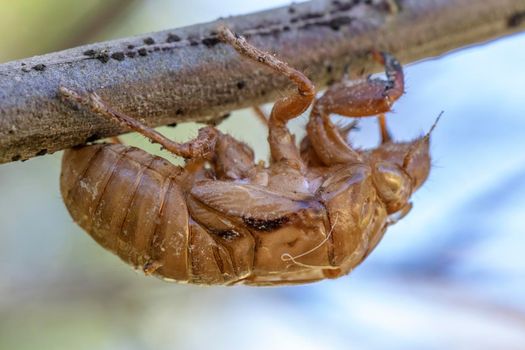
x,y
193,42
156,49
307,16
275,32
41,152
329,69
131,54
131,47
286,28
92,138
338,22
179,111
149,41
311,15
16,158
265,225
172,38
241,84
39,67
516,19
211,41
291,9
102,56
143,52
10,132
334,23
90,53
343,6
228,235
119,56
309,25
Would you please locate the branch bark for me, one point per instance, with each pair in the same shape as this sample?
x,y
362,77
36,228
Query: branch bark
x,y
186,74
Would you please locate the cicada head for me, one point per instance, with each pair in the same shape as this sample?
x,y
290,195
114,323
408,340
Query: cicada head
x,y
400,168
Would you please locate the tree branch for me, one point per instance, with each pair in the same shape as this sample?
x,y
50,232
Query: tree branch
x,y
186,74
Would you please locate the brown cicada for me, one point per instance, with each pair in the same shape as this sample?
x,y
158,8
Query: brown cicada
x,y
314,212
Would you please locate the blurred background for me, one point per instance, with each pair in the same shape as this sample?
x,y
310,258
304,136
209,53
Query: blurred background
x,y
451,275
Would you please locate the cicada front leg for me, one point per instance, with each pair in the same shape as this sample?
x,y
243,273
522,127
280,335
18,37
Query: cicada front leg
x,y
362,98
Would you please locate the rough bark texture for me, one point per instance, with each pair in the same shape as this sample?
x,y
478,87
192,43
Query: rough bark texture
x,y
186,74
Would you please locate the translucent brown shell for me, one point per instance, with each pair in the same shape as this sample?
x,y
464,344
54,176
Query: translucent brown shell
x,y
312,213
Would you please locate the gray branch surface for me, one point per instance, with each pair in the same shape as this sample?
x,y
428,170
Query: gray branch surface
x,y
187,74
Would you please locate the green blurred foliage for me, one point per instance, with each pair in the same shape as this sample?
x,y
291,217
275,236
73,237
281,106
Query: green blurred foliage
x,y
37,27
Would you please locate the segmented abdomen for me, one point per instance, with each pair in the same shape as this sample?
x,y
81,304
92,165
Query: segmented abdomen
x,y
130,202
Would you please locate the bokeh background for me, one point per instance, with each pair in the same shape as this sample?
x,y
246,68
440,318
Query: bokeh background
x,y
451,275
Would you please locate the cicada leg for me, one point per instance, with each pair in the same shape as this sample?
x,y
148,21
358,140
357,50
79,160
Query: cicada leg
x,y
282,142
362,98
259,113
202,147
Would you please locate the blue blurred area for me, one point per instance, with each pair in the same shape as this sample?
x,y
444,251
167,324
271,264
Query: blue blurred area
x,y
451,275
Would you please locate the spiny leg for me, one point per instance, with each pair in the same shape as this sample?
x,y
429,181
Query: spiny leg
x,y
201,147
362,98
282,144
365,97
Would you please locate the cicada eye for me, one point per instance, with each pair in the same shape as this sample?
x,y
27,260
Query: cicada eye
x,y
393,185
